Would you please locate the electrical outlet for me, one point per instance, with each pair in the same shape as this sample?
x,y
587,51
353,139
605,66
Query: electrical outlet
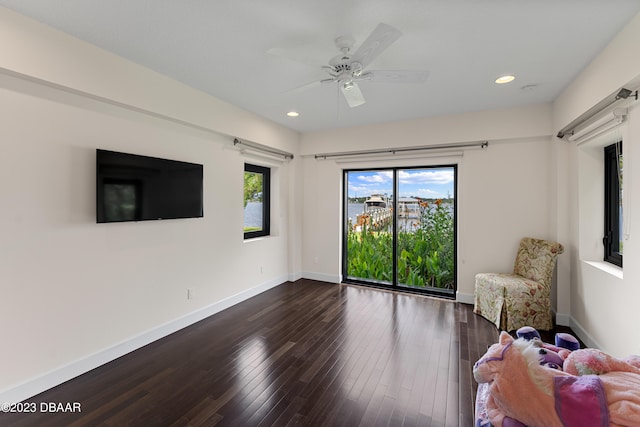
x,y
190,293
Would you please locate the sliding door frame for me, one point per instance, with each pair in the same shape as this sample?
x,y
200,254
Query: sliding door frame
x,y
394,285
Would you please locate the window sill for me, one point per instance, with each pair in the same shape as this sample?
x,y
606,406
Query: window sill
x,y
255,239
606,267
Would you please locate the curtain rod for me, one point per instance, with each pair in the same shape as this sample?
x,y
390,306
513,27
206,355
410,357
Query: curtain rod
x,y
260,147
481,144
598,127
625,95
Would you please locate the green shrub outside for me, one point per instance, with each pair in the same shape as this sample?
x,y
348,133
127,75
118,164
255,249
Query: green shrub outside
x,y
425,254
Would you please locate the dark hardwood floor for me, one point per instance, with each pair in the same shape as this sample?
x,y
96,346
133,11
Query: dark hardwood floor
x,y
306,353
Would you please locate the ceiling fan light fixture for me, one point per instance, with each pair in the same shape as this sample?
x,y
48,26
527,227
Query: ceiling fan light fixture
x,y
356,69
508,78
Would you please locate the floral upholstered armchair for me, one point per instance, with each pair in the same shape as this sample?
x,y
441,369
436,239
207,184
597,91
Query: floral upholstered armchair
x,y
521,298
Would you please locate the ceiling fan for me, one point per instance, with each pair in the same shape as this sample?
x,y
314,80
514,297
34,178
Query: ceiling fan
x,y
347,69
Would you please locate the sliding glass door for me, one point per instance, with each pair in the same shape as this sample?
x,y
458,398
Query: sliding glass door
x,y
369,235
399,228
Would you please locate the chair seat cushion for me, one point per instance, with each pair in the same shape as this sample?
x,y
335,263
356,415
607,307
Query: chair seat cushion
x,y
511,301
512,285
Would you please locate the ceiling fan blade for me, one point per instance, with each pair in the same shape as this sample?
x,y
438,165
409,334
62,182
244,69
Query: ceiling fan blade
x,y
398,76
380,39
352,94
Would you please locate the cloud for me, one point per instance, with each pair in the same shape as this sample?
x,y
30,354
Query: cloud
x,y
367,190
378,177
436,176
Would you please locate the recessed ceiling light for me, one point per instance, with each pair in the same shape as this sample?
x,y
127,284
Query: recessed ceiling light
x,y
505,79
293,114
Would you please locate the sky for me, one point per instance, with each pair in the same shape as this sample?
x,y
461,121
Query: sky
x,y
427,182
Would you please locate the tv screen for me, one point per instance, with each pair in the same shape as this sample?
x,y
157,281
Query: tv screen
x,y
130,187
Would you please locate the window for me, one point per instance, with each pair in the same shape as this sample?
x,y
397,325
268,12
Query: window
x,y
256,200
613,204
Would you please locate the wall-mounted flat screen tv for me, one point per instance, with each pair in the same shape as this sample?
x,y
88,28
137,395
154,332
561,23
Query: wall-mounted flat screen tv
x,y
130,187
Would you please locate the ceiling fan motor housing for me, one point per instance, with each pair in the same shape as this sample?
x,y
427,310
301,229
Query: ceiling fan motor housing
x,y
346,71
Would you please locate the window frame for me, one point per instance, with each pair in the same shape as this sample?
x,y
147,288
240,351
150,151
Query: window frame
x,y
612,203
266,200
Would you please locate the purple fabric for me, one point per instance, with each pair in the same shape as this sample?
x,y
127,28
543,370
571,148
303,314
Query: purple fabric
x,y
567,341
528,333
510,422
581,401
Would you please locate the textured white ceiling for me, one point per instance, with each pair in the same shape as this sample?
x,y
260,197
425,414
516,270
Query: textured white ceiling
x,y
252,53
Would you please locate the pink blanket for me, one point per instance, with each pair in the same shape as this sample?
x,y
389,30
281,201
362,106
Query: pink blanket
x,y
519,388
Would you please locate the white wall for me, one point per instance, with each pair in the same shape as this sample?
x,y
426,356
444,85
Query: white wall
x,y
602,300
75,293
503,191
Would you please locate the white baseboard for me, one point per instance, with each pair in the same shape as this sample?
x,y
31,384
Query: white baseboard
x,y
295,276
322,277
566,320
78,367
583,334
563,319
464,298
